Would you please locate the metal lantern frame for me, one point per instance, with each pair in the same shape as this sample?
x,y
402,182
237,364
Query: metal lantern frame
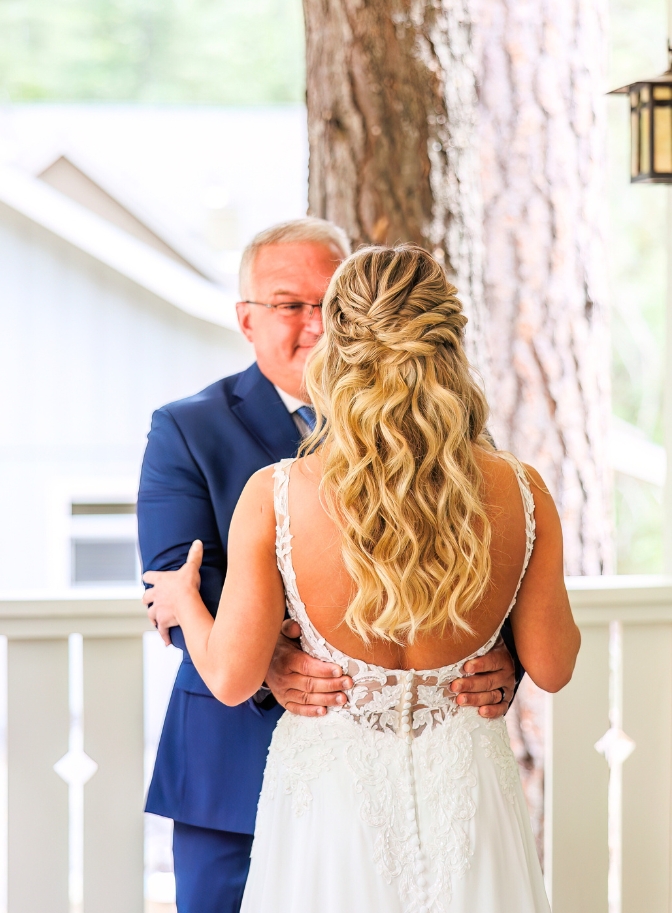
x,y
650,129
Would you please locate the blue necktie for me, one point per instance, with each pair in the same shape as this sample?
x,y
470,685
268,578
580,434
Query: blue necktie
x,y
307,413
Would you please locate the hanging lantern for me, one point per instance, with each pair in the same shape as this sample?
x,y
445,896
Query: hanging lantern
x,y
650,128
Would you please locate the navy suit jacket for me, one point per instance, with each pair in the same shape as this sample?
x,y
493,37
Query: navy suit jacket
x,y
200,453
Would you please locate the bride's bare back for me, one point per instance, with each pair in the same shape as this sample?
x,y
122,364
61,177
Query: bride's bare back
x,y
327,589
233,653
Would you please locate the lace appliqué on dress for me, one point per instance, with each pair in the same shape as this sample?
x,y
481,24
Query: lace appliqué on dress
x,y
497,747
385,778
298,754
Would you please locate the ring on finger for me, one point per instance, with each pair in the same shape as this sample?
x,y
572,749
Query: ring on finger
x,y
502,699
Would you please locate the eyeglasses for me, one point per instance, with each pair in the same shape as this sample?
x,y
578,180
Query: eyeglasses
x,y
291,310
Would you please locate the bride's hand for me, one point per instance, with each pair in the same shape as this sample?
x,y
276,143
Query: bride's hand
x,y
171,591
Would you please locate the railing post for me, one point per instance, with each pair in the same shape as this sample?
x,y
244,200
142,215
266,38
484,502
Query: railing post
x,y
113,737
576,783
647,774
37,736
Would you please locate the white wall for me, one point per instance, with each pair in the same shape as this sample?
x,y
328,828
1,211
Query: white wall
x,y
85,357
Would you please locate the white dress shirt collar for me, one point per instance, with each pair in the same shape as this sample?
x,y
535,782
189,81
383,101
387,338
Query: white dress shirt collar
x,y
291,402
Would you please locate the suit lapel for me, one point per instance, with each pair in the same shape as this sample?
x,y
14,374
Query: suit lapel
x,y
257,405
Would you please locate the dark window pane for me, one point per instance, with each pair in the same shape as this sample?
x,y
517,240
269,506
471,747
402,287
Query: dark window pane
x,y
99,509
104,561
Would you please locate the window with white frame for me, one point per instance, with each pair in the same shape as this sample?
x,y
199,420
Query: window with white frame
x,y
103,543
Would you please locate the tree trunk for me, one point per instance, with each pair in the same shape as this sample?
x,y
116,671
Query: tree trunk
x,y
392,107
395,126
542,132
404,147
542,135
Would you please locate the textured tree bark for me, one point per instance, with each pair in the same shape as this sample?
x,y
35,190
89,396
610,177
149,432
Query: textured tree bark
x,y
542,135
392,107
478,125
396,126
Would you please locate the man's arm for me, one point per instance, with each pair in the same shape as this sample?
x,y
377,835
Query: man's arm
x,y
233,652
174,508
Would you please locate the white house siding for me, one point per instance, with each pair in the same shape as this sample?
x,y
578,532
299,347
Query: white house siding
x,y
85,357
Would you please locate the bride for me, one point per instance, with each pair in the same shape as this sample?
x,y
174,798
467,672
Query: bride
x,y
400,541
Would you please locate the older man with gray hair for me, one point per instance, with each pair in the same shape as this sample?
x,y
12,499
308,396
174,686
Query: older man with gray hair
x,y
200,453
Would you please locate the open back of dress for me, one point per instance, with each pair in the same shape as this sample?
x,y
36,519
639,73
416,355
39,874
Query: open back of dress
x,y
401,801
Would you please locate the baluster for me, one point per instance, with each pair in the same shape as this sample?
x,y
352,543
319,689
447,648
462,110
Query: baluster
x,y
576,855
113,798
37,736
647,794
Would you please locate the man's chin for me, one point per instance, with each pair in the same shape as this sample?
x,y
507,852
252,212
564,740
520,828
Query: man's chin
x,y
301,354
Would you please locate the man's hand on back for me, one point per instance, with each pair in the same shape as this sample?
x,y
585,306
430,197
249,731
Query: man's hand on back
x,y
307,686
301,684
485,676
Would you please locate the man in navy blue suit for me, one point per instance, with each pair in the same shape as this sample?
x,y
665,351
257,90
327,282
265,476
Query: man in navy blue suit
x,y
200,453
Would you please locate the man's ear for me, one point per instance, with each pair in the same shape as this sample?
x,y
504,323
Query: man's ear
x,y
245,320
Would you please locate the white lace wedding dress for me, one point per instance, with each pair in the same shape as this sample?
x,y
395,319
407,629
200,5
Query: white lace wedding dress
x,y
399,802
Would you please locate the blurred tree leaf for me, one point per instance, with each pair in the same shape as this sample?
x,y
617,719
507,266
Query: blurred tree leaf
x,y
178,51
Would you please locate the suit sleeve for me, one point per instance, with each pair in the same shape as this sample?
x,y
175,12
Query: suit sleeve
x,y
174,508
507,637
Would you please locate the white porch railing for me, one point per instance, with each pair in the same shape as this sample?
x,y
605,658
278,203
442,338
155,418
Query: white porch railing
x,y
38,729
608,845
626,624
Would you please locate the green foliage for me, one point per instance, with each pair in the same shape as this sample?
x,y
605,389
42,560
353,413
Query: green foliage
x,y
639,526
179,51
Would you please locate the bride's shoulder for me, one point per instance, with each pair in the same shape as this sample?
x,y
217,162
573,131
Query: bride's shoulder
x,y
502,475
308,469
257,495
497,468
500,464
262,478
261,485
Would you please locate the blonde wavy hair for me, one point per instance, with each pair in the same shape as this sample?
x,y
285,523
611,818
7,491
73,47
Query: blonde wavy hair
x,y
398,413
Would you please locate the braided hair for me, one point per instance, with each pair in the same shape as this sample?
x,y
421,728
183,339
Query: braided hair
x,y
399,413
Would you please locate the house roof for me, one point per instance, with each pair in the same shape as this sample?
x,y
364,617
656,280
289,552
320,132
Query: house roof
x,y
85,183
171,281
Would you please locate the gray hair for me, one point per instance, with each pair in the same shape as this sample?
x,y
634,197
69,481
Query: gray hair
x,y
297,230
